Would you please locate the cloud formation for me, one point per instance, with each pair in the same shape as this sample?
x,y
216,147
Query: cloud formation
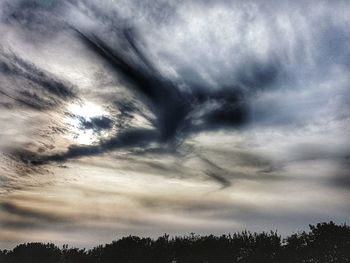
x,y
219,104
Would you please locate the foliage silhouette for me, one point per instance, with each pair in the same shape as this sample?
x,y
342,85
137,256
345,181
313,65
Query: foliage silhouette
x,y
324,243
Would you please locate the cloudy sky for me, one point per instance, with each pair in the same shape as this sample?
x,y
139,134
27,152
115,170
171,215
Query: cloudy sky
x,y
143,117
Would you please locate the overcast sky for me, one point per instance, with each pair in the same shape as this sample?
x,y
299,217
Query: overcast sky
x,y
151,117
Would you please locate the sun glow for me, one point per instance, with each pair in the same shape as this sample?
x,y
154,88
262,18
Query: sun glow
x,y
85,112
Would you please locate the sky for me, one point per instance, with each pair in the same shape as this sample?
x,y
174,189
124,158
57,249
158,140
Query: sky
x,y
149,117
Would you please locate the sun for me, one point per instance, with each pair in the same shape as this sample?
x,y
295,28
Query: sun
x,y
81,113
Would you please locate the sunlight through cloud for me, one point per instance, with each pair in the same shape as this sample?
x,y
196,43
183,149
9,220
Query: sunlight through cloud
x,y
81,118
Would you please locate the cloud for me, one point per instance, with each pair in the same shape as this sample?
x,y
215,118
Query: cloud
x,y
28,213
42,89
207,106
238,84
183,106
96,124
131,138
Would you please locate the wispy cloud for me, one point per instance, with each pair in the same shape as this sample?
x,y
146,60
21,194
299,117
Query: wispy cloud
x,y
186,114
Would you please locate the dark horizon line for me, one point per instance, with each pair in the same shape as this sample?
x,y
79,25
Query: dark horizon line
x,y
193,235
325,242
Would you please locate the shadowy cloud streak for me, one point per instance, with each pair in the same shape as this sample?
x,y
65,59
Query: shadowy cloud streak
x,y
42,90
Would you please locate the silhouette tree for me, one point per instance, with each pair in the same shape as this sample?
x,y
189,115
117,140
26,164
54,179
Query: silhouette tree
x,y
295,249
35,253
75,255
4,258
324,243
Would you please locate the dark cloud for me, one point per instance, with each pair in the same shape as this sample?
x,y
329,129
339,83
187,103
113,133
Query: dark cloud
x,y
37,16
256,76
217,173
172,106
178,113
166,101
96,124
180,107
20,68
219,179
31,86
130,138
341,178
15,210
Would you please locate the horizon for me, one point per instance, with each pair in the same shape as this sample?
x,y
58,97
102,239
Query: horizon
x,y
283,237
284,240
324,242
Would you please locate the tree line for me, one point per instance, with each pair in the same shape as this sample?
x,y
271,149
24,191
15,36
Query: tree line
x,y
323,243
